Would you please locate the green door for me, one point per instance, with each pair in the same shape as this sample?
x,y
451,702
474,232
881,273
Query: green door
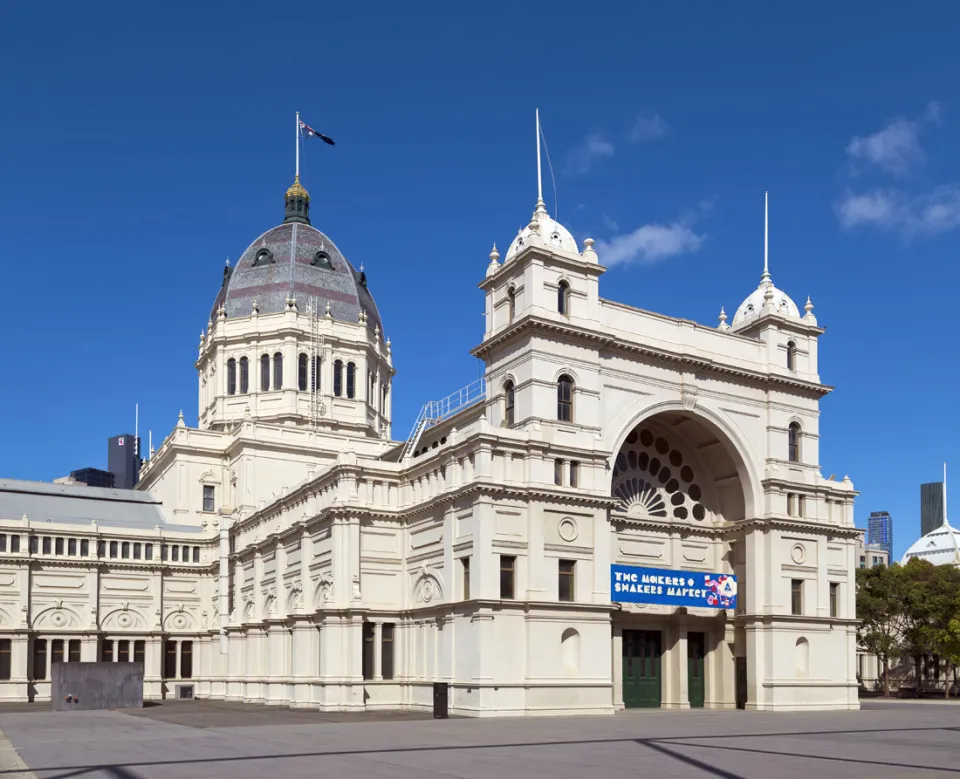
x,y
696,646
641,669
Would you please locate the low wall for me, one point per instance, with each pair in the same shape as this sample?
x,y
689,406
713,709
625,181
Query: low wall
x,y
96,686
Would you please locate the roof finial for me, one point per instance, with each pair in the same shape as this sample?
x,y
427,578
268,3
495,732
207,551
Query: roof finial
x,y
541,207
723,320
946,522
766,235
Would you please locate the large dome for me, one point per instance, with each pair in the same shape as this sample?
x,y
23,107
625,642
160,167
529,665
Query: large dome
x,y
940,546
295,260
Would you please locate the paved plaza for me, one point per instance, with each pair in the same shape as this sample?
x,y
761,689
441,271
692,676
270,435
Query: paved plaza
x,y
198,739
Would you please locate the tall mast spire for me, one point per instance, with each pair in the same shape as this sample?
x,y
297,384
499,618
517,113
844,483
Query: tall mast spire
x,y
945,521
539,175
297,171
766,238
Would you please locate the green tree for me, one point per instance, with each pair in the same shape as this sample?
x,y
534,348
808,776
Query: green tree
x,y
941,593
880,601
917,613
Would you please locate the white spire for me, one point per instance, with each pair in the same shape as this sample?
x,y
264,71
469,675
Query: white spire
x,y
945,520
539,177
297,169
766,238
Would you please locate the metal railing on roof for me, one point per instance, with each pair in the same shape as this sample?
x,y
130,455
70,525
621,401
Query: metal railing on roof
x,y
435,411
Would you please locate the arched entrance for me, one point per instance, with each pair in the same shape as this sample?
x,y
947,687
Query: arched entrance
x,y
681,484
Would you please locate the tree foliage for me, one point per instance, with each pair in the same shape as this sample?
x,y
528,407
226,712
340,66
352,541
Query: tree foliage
x,y
910,611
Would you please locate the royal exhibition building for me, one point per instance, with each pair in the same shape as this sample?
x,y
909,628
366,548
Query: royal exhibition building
x,y
627,510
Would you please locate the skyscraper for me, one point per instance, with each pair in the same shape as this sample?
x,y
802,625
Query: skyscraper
x,y
123,460
880,531
931,507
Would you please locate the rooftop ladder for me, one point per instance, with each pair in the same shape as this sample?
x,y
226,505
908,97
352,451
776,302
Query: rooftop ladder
x,y
435,411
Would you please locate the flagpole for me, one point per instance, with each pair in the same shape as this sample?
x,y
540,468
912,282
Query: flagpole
x,y
539,180
298,145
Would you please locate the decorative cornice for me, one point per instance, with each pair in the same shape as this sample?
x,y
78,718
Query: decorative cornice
x,y
533,323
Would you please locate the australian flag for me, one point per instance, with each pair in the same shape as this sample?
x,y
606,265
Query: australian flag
x,y
306,129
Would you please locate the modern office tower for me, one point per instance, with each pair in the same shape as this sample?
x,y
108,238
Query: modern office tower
x,y
123,460
880,531
93,477
931,507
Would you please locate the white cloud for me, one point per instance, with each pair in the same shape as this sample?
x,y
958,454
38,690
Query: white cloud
x,y
649,128
594,147
649,244
895,211
896,148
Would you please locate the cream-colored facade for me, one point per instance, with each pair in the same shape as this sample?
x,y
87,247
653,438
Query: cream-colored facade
x,y
331,566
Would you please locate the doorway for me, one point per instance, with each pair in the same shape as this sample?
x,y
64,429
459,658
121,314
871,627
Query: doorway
x,y
641,669
741,681
696,648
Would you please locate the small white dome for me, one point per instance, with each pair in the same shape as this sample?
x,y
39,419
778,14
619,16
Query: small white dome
x,y
782,303
552,233
940,547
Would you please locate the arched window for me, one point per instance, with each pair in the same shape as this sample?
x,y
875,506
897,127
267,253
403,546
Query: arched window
x,y
231,376
508,407
278,371
338,378
302,365
511,304
244,375
563,298
793,442
791,356
565,399
264,372
351,380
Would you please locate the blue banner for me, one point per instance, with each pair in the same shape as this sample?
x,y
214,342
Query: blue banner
x,y
672,588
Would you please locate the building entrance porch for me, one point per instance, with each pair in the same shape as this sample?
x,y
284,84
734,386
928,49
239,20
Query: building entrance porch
x,y
676,662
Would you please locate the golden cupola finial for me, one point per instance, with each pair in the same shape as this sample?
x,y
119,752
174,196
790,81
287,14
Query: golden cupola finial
x,y
297,189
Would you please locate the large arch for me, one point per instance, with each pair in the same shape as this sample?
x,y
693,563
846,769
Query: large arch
x,y
718,444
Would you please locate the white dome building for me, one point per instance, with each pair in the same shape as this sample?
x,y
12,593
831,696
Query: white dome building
x,y
940,547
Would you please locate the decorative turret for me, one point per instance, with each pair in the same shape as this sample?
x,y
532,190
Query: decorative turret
x,y
297,203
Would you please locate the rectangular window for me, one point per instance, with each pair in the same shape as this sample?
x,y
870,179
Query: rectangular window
x,y
368,647
6,647
796,596
834,599
508,565
801,506
186,554
58,546
169,659
791,504
84,547
46,545
465,562
56,651
139,651
186,659
208,497
196,554
137,550
574,473
114,548
175,553
15,544
863,561
566,581
101,548
123,651
3,542
163,551
386,650
125,550
39,656
558,472
148,551
34,546
72,547
106,651
73,650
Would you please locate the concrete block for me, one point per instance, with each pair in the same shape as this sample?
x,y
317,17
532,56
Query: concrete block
x,y
96,686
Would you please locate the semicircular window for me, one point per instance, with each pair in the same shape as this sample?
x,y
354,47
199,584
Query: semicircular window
x,y
322,260
263,257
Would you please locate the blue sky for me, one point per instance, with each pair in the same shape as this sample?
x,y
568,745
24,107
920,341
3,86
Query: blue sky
x,y
145,143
